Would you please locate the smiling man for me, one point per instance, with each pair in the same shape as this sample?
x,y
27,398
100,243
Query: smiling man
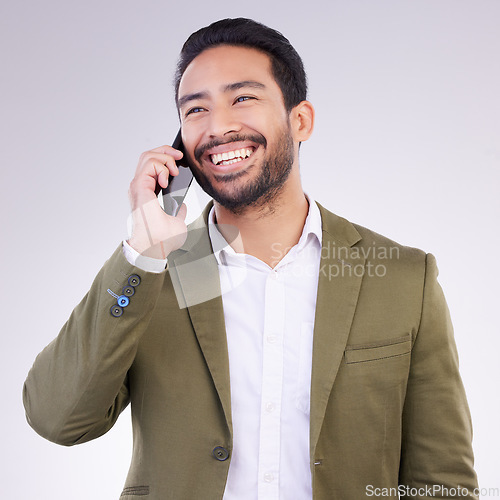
x,y
250,171
272,350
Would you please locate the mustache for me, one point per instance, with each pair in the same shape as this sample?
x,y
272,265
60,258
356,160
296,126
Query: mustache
x,y
257,138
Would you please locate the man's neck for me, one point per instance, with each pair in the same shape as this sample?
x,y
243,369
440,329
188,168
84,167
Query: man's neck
x,y
267,233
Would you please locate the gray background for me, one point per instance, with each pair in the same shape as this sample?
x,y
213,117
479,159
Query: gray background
x,y
406,143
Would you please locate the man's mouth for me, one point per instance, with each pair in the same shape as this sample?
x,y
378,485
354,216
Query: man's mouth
x,y
230,157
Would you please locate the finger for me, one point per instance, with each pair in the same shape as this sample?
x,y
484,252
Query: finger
x,y
149,159
160,157
171,165
154,171
162,176
149,176
169,150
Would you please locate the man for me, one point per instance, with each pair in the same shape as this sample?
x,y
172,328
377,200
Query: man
x,y
284,353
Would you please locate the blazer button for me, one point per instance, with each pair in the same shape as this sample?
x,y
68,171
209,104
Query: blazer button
x,y
116,311
128,291
220,453
123,301
134,280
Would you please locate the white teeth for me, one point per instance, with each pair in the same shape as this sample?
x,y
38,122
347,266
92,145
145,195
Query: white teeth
x,y
230,162
231,156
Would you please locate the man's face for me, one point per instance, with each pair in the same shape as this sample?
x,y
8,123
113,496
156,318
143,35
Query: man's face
x,y
235,127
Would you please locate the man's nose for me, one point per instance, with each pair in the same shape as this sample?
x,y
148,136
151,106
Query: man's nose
x,y
222,122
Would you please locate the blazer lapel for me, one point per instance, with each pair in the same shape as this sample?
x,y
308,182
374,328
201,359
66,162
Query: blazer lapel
x,y
341,272
195,277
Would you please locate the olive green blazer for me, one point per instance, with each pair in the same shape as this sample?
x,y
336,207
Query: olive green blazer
x,y
387,404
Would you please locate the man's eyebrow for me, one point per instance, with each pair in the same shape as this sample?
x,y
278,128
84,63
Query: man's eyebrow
x,y
245,83
225,88
191,97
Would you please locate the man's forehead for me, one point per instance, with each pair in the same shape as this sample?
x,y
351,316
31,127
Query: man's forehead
x,y
225,51
226,65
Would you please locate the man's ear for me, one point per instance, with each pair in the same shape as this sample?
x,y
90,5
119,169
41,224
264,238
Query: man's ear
x,y
302,121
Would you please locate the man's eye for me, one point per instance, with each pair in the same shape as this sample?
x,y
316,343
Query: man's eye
x,y
244,98
194,110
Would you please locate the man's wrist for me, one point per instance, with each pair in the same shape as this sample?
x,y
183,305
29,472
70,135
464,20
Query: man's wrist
x,y
144,262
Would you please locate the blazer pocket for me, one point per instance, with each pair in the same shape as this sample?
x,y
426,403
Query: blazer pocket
x,y
384,349
135,491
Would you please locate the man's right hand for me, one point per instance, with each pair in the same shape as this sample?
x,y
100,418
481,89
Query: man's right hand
x,y
154,233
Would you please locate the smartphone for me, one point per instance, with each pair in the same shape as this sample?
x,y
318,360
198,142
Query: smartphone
x,y
173,195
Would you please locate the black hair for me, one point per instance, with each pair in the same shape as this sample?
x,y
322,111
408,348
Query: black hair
x,y
286,65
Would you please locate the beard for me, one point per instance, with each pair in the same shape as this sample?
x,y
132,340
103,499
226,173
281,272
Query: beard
x,y
258,192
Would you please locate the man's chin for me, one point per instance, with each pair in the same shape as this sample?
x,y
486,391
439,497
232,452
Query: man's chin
x,y
235,202
240,201
225,191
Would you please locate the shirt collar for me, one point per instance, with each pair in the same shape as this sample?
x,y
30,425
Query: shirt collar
x,y
313,227
312,231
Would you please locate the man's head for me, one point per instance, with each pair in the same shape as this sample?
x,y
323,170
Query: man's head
x,y
286,65
241,131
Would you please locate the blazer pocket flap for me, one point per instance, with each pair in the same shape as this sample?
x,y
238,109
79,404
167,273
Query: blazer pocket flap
x,y
133,491
378,350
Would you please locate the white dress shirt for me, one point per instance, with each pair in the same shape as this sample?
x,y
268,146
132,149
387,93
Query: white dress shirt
x,y
269,317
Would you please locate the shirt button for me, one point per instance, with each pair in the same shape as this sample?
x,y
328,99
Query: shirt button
x,y
271,339
270,407
220,453
268,477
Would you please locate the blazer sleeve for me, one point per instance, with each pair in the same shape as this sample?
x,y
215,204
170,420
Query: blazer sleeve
x,y
77,386
437,430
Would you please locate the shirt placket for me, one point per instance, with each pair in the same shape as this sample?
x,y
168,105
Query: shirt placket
x,y
272,385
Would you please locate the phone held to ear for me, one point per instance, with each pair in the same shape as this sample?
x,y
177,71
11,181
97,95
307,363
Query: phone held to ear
x,y
173,195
